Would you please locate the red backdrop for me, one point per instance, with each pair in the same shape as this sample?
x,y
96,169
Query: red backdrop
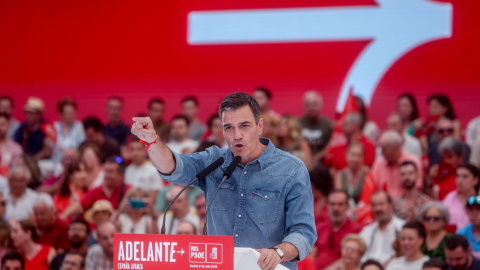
x,y
138,49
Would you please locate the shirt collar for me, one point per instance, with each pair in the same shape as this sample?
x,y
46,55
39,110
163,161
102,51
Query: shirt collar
x,y
262,160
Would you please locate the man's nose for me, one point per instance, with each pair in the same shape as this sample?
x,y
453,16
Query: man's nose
x,y
237,134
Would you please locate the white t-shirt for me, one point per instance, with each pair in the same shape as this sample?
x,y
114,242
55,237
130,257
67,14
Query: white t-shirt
x,y
180,147
171,223
400,264
144,176
23,207
128,227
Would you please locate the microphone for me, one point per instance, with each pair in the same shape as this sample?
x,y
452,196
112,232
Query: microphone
x,y
201,175
228,172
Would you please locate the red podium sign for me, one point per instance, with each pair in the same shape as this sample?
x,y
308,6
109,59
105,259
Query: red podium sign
x,y
157,251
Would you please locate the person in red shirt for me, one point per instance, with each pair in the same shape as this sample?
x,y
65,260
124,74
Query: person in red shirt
x,y
352,129
113,189
331,233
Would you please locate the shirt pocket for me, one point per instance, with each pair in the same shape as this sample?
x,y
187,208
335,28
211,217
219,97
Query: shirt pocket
x,y
224,195
265,205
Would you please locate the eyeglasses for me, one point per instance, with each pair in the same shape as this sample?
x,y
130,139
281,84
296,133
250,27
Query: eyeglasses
x,y
431,218
445,130
473,201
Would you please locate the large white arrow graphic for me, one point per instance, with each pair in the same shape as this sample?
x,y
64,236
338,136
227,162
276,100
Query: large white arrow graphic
x,y
393,26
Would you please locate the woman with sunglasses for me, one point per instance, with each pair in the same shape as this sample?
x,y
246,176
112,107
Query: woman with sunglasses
x,y
467,181
434,217
411,240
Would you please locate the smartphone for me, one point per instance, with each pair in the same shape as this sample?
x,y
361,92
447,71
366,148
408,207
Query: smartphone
x,y
137,203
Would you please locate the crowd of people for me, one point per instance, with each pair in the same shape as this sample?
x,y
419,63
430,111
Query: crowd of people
x,y
402,198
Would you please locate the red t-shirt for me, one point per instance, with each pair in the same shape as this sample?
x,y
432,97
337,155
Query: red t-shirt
x,y
329,242
56,235
40,261
445,179
335,157
97,194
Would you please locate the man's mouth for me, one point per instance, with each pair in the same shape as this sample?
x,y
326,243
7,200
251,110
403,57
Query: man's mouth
x,y
239,146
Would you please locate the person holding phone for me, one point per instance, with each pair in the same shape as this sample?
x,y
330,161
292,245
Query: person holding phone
x,y
135,213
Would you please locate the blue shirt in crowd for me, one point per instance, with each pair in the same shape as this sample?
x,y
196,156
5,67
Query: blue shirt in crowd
x,y
265,203
467,231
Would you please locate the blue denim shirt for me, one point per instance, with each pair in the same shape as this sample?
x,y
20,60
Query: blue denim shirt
x,y
265,203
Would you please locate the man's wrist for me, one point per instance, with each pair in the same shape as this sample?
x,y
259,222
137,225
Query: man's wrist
x,y
279,252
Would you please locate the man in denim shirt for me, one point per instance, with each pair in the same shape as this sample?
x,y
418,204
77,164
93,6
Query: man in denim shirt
x,y
267,204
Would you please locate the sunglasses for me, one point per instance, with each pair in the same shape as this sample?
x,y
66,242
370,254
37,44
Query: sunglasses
x,y
445,130
473,201
432,218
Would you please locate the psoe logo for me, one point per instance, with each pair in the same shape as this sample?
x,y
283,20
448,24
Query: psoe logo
x,y
206,253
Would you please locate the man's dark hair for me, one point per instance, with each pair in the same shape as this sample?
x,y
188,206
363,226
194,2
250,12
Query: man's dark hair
x,y
267,92
13,256
210,120
181,117
93,122
389,198
119,161
434,262
65,102
81,221
236,100
339,191
5,115
73,252
371,262
155,100
409,162
455,240
321,179
191,98
417,226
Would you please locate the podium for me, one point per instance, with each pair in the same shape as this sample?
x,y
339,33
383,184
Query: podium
x,y
165,251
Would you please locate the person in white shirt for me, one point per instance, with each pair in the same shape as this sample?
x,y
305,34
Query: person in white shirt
x,y
410,144
380,235
20,199
141,173
411,240
180,143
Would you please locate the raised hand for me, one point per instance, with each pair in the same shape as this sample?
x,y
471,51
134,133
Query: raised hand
x,y
143,128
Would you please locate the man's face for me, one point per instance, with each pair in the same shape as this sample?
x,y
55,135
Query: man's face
x,y
5,106
105,237
242,133
457,258
189,109
33,118
113,177
90,135
44,216
18,183
200,207
451,158
473,213
77,234
394,122
114,109
156,112
69,114
382,210
408,176
216,128
72,262
312,106
262,100
179,129
337,207
186,228
12,265
390,152
444,128
4,126
137,152
349,126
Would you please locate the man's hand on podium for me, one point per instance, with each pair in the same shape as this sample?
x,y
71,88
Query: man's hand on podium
x,y
269,258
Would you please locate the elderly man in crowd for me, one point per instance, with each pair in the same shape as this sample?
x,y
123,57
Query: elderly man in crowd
x,y
100,256
73,261
385,170
411,144
20,199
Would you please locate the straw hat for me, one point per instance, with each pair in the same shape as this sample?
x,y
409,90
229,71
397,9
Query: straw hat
x,y
34,104
100,205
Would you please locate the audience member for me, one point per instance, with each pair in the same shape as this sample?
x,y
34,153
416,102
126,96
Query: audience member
x,y
270,128
115,127
34,135
13,261
439,105
322,184
331,233
73,261
51,184
411,240
190,110
411,144
317,129
10,151
216,134
409,204
113,189
385,170
20,199
3,207
141,173
408,109
434,217
444,128
156,111
467,183
186,228
51,230
100,256
472,230
101,211
179,211
459,255
435,264
200,208
381,234
70,133
180,142
475,156
290,139
94,134
90,155
263,96
5,239
134,213
353,248
369,128
352,129
6,106
371,265
473,131
33,166
24,237
73,186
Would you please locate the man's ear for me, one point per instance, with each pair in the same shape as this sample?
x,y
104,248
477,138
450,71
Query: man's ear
x,y
260,126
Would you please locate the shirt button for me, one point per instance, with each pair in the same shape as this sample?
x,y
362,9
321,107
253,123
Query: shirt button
x,y
236,235
265,196
239,215
245,172
241,194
